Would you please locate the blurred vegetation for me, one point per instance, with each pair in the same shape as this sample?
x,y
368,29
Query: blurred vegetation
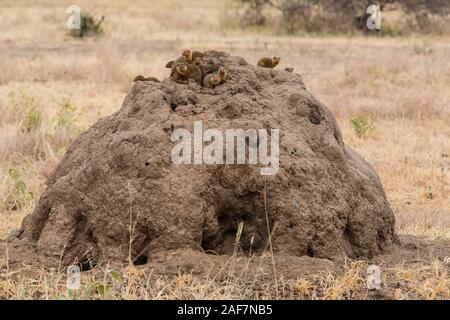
x,y
26,113
19,196
66,117
362,125
295,17
88,27
64,127
39,134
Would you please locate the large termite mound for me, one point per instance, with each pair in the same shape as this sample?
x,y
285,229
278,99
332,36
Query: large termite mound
x,y
117,195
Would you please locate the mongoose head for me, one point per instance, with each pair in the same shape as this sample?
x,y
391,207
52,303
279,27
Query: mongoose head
x,y
182,68
215,79
139,78
276,60
223,72
289,69
198,60
196,54
169,64
187,54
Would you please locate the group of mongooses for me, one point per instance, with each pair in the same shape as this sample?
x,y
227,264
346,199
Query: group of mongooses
x,y
191,65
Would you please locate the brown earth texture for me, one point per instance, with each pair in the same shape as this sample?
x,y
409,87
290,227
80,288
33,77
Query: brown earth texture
x,y
117,196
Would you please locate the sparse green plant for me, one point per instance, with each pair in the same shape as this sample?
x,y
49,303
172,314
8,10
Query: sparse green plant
x,y
66,116
94,288
63,126
32,119
362,125
26,112
430,195
19,196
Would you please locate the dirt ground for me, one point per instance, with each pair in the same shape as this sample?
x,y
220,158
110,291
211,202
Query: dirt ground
x,y
400,83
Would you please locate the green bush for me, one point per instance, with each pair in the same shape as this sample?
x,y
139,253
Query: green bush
x,y
362,125
63,127
32,119
66,116
430,195
25,112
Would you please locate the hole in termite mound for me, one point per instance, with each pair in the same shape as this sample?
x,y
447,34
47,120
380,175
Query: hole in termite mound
x,y
87,265
310,251
140,260
140,253
84,247
236,234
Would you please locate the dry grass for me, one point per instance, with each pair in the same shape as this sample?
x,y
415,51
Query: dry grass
x,y
401,83
426,281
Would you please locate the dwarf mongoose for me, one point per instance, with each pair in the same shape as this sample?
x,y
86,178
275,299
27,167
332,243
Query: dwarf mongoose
x,y
142,78
208,67
187,54
169,64
211,80
267,62
223,72
289,69
190,71
186,57
196,54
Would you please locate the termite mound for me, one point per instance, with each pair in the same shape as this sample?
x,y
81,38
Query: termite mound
x,y
117,195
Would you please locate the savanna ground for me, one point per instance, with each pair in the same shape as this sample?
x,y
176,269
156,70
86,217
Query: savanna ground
x,y
391,97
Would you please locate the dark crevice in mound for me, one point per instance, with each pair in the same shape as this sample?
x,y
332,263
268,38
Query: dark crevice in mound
x,y
347,244
140,260
83,246
314,116
232,211
310,251
224,240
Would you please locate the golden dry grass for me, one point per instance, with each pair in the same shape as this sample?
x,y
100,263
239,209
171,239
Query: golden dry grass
x,y
402,84
428,281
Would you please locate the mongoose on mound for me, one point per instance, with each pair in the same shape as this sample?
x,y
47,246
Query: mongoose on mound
x,y
211,80
142,78
289,69
267,62
196,54
190,71
186,57
207,67
187,54
223,73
